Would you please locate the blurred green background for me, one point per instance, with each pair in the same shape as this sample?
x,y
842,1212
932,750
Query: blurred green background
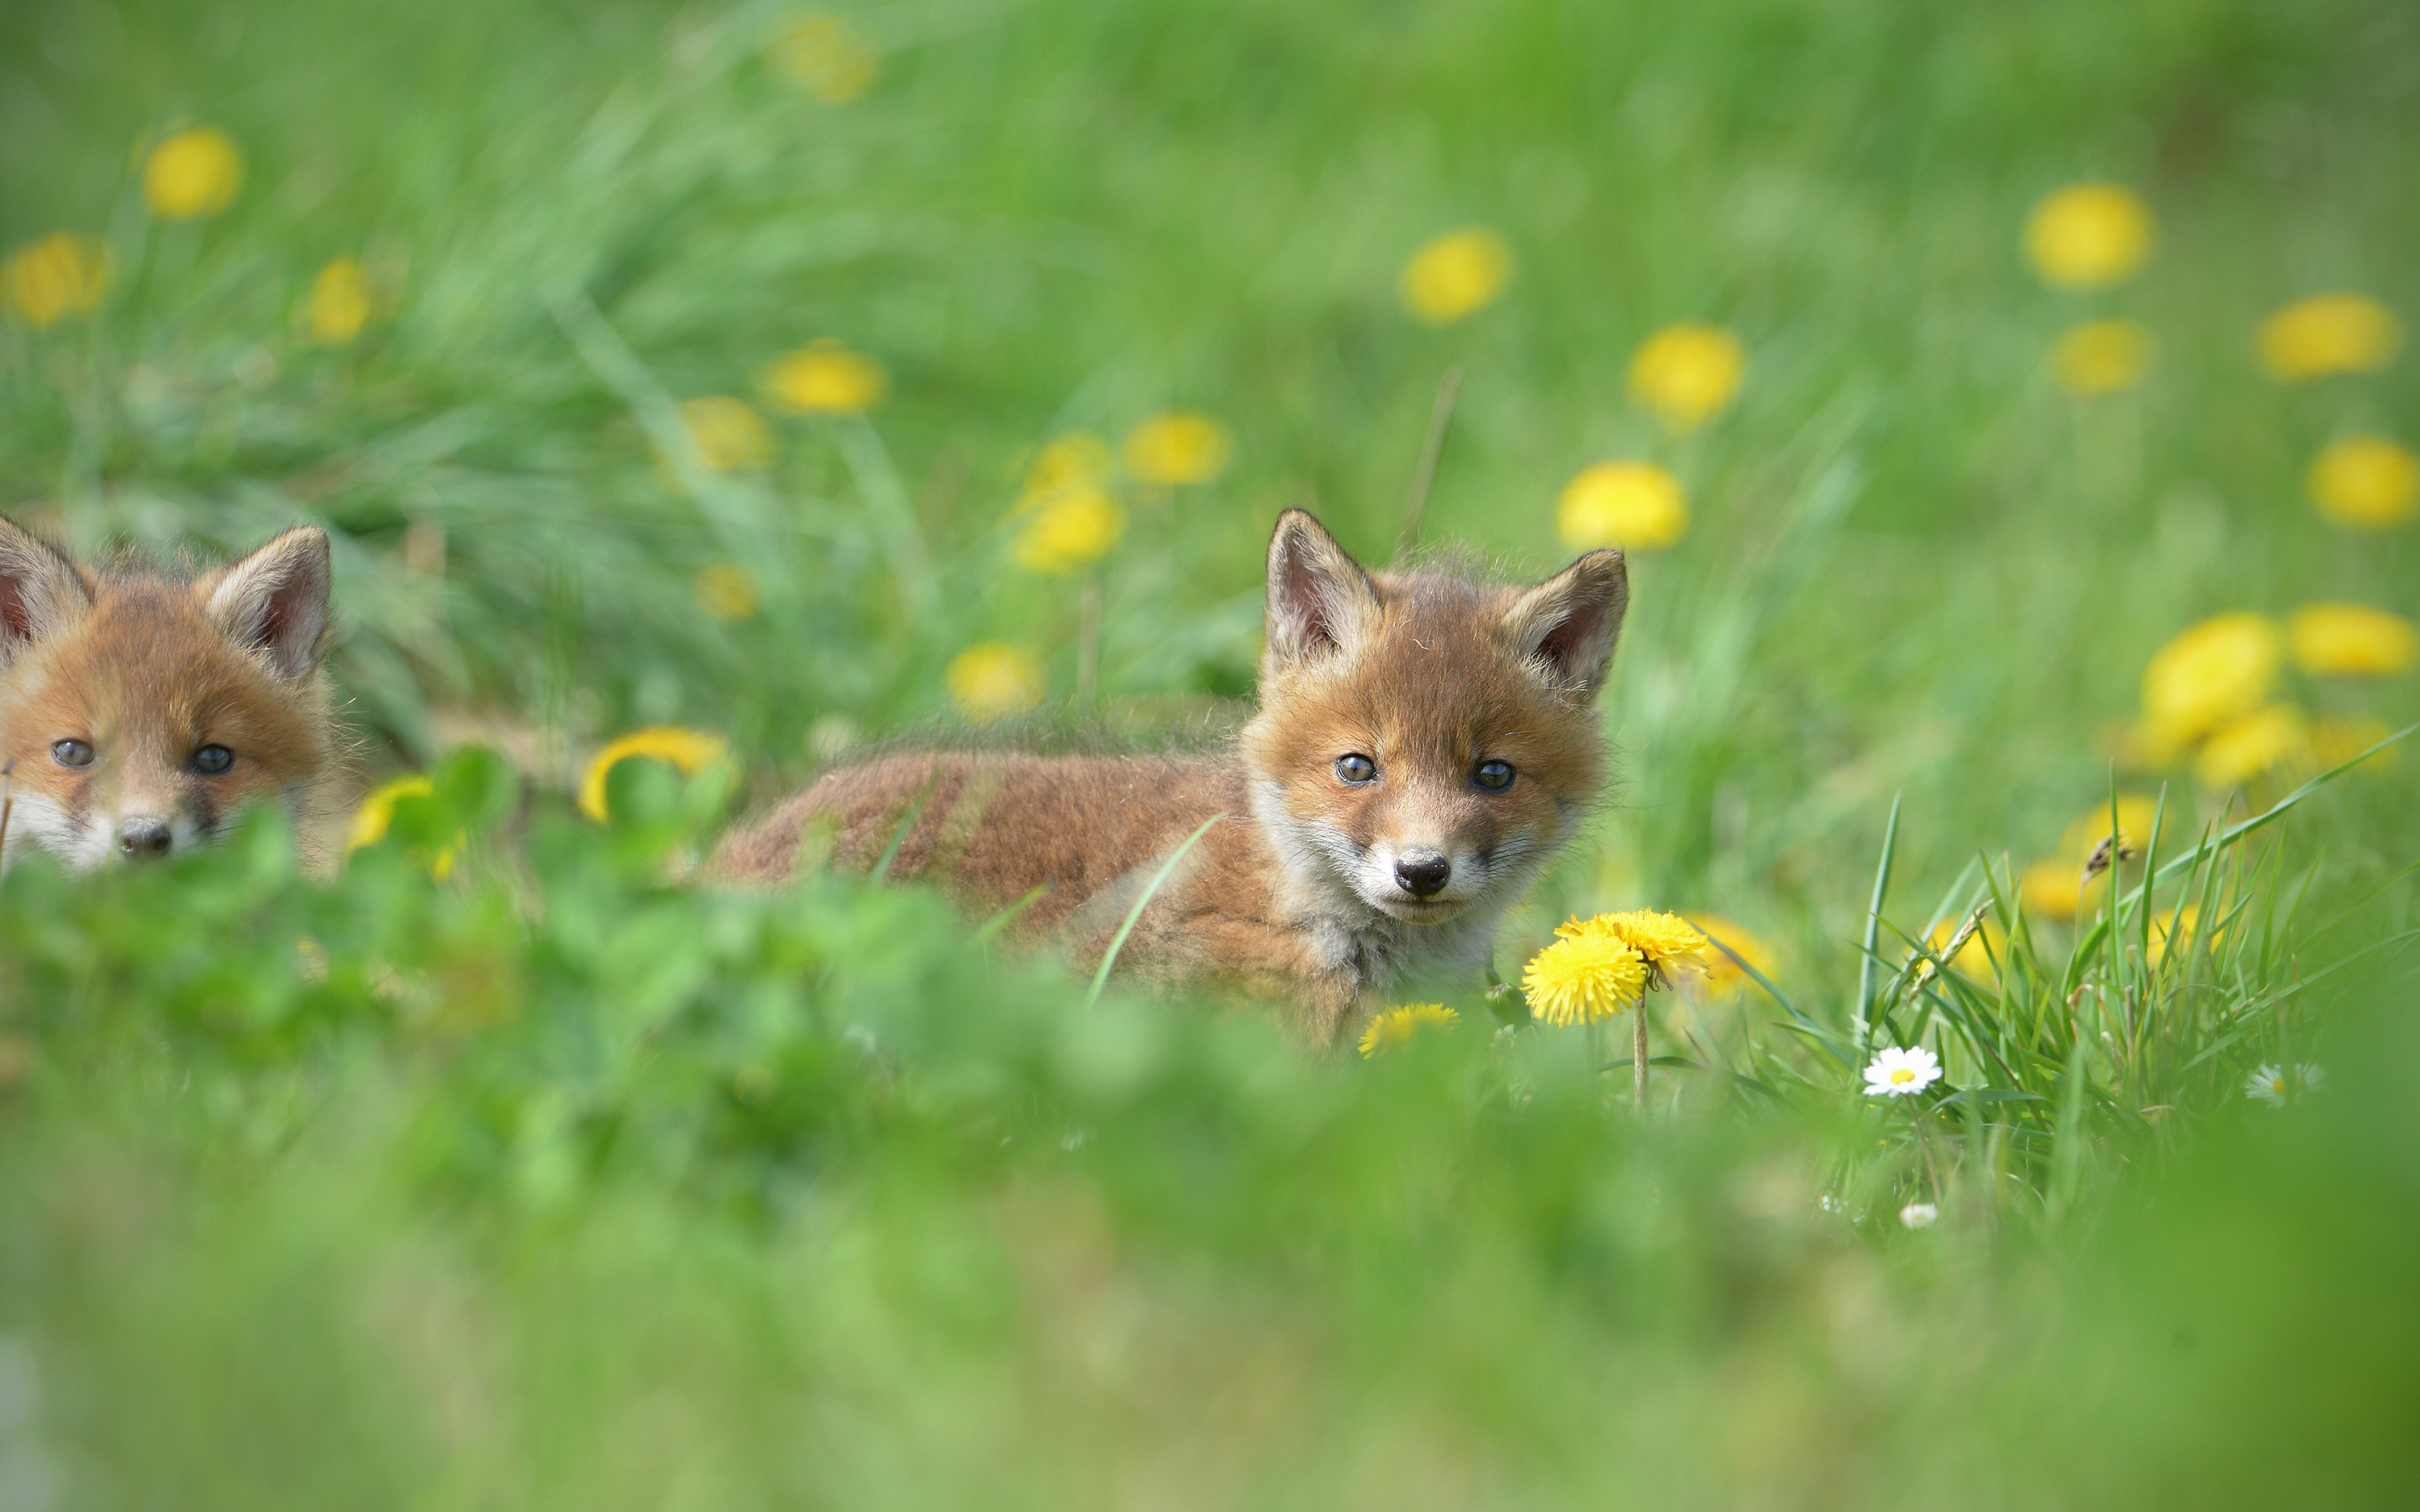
x,y
273,1230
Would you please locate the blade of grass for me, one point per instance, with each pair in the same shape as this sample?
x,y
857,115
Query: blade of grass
x,y
1101,978
1862,1029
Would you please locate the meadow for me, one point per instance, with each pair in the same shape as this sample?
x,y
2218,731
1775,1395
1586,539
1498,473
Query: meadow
x,y
2006,414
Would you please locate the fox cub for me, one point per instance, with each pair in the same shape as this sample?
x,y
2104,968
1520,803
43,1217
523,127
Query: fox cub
x,y
139,711
1424,743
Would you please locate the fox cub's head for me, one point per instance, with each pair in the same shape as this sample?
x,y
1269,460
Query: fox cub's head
x,y
1424,743
139,710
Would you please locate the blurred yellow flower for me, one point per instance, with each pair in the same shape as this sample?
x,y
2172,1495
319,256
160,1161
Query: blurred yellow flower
x,y
2367,483
687,752
1686,374
2180,921
1718,973
728,433
340,303
1068,529
2251,744
1583,978
375,816
1178,447
2088,236
1458,273
828,56
2350,640
726,593
191,173
377,811
1635,505
45,280
826,378
1065,461
2102,357
2057,889
2136,813
2335,742
1395,1028
991,680
1974,958
2219,669
2329,334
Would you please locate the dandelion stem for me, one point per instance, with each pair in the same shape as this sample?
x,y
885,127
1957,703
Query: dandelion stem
x,y
1639,1054
1440,416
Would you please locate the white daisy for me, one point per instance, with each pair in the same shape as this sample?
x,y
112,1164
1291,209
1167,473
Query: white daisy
x,y
1918,1214
1897,1072
2276,1085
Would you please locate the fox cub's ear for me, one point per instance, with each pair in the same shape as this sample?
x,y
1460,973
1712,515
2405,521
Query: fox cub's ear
x,y
1319,600
1567,625
275,601
40,590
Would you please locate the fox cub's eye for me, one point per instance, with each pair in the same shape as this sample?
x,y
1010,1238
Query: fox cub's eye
x,y
71,752
212,759
1356,769
1496,776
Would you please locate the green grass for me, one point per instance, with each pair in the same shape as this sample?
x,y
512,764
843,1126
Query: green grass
x,y
561,1182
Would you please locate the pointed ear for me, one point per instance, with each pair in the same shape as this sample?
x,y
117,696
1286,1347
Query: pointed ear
x,y
1319,600
275,601
40,590
1566,626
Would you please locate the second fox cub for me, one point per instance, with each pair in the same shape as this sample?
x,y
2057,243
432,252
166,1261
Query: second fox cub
x,y
1424,743
139,711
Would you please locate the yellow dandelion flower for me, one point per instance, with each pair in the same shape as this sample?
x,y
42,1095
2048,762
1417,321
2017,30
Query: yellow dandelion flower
x,y
826,378
376,816
2336,741
1066,461
1974,958
828,57
1718,974
2365,483
1662,940
2180,923
191,173
2219,669
45,280
1635,505
1458,273
2350,640
2102,357
730,436
1178,447
687,752
991,680
340,303
2329,334
1686,374
1070,529
726,593
2056,889
2135,813
1581,978
2088,236
1395,1028
2251,744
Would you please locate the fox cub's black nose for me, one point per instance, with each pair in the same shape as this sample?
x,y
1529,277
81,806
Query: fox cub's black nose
x,y
140,838
1423,876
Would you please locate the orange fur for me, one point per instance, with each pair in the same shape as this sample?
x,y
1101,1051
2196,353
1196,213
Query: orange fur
x,y
114,683
1315,888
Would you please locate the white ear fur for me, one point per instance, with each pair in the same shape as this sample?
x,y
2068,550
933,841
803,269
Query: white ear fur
x,y
1567,625
1319,600
40,591
275,601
